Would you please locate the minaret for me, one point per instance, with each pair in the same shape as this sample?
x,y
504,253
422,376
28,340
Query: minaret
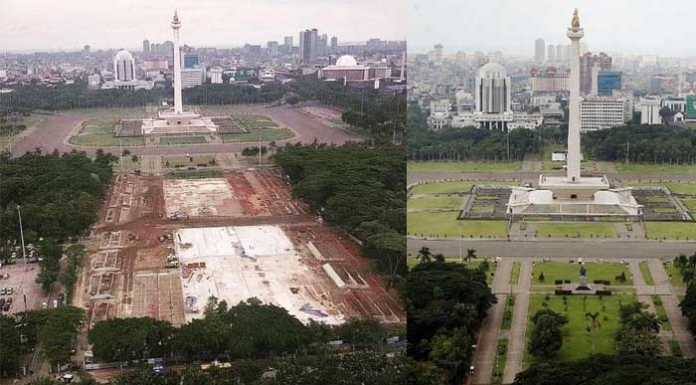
x,y
176,24
575,33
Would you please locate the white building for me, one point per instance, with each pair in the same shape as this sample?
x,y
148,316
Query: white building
x,y
650,111
600,112
215,75
93,81
192,77
439,114
124,66
525,120
493,97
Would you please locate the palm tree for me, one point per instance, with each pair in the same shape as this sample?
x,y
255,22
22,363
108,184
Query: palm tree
x,y
470,254
424,255
595,325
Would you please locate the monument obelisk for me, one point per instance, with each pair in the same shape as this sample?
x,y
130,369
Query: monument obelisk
x,y
575,33
176,24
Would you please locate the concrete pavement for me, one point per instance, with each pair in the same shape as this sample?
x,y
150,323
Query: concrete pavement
x,y
518,341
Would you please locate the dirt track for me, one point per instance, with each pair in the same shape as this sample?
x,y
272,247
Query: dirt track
x,y
54,132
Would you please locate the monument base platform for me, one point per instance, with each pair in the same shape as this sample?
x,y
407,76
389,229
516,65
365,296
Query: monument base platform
x,y
585,197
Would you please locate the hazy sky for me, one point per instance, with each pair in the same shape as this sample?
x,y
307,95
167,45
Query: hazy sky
x,y
69,24
628,26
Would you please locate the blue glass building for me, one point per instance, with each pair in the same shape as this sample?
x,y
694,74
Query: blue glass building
x,y
607,81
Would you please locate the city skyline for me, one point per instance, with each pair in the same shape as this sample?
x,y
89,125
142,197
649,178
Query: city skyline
x,y
641,27
213,23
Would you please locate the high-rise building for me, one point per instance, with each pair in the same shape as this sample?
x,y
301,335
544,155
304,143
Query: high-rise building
x,y
539,50
191,60
272,48
601,112
334,43
436,54
86,48
124,66
146,46
551,53
650,111
587,63
493,97
308,45
607,82
323,45
549,80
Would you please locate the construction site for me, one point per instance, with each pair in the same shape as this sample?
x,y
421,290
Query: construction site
x,y
163,247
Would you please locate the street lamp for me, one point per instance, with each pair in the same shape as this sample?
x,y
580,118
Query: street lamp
x,y
21,233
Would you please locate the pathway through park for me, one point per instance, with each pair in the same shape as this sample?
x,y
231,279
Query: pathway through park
x,y
517,341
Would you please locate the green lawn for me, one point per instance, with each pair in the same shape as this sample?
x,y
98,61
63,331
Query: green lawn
x,y
463,166
445,224
507,312
195,174
181,140
449,202
661,313
577,342
576,230
515,274
675,276
645,272
263,134
443,187
655,168
100,133
500,360
690,205
185,161
554,270
670,230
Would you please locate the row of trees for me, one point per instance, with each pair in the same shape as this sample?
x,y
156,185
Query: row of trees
x,y
359,188
53,331
78,95
687,268
446,303
225,333
59,195
647,144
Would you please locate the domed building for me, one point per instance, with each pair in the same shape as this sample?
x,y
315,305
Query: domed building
x,y
348,70
493,97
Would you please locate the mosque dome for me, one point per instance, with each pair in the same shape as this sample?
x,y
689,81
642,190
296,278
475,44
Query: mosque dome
x,y
346,61
492,71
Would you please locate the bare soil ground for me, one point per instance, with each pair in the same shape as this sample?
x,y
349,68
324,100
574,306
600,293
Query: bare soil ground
x,y
127,274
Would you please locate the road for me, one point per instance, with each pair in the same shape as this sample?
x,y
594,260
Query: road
x,y
561,248
53,134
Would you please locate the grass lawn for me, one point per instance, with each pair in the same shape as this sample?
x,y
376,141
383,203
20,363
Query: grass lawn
x,y
181,140
690,205
661,313
576,230
100,133
670,230
195,174
554,270
471,166
655,168
577,342
445,224
184,161
507,312
515,274
500,360
266,134
450,202
443,187
675,277
645,272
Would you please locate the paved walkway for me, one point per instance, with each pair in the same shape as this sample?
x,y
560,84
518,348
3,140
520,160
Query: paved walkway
x,y
671,305
484,357
517,341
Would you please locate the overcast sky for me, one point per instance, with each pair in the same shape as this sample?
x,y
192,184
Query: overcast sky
x,y
27,25
658,27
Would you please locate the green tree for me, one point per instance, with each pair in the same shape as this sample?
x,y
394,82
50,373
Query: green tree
x,y
547,337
